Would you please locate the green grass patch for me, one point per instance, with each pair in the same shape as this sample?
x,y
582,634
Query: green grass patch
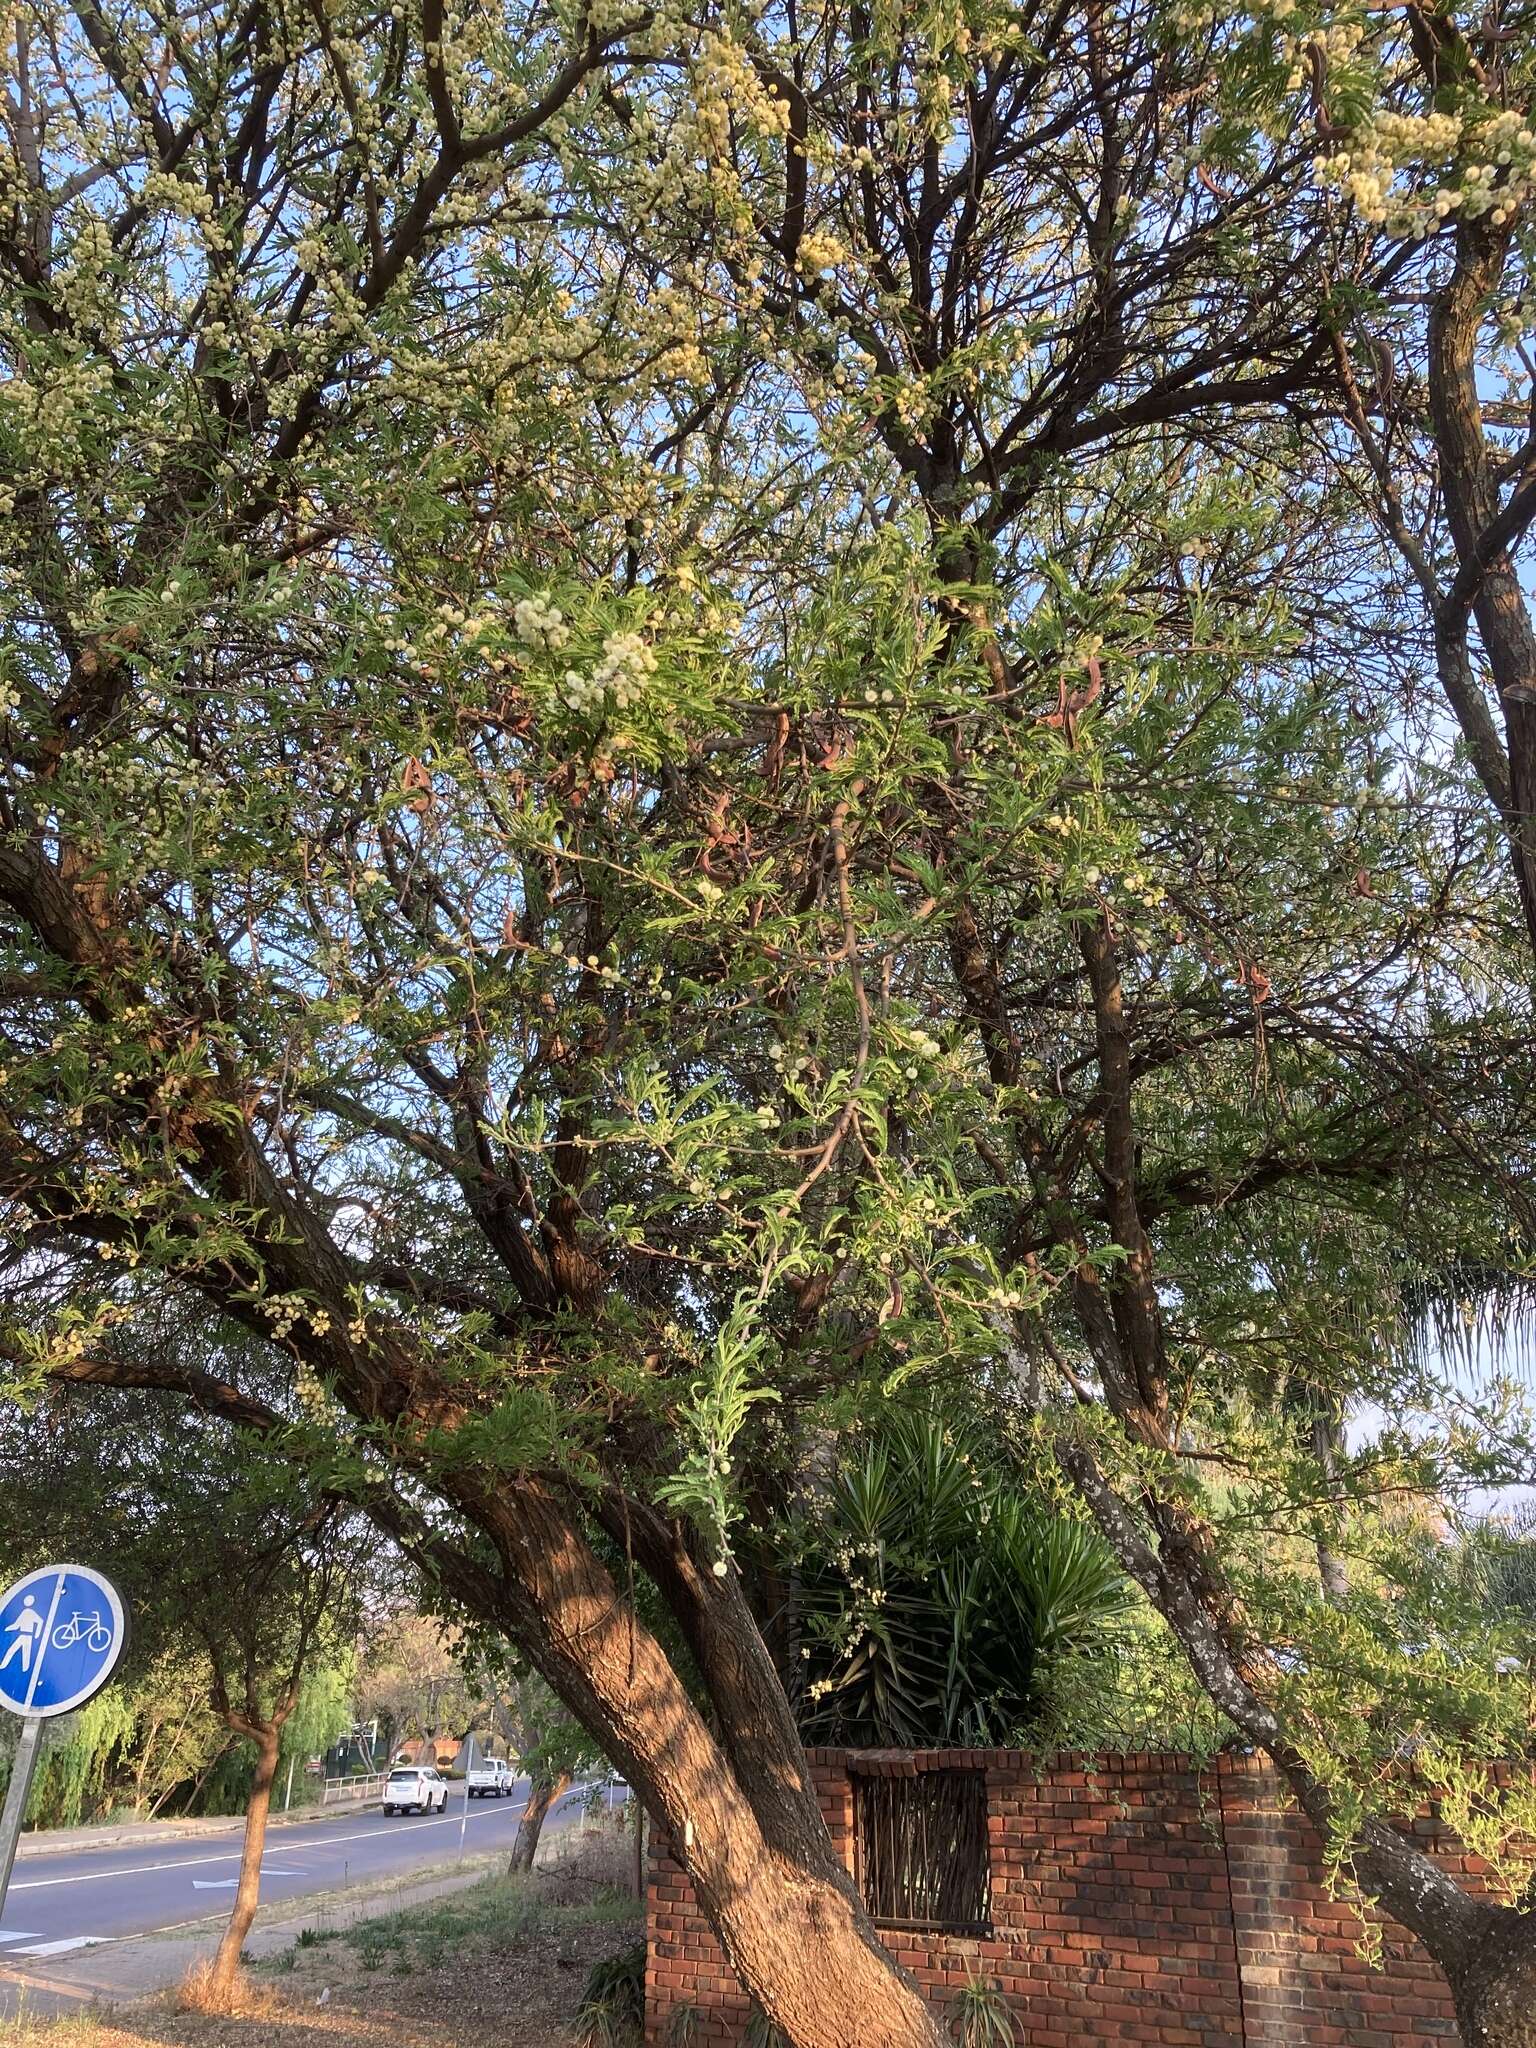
x,y
56,2030
489,1917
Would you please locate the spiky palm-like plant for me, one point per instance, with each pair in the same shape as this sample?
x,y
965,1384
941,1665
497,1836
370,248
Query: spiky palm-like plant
x,y
935,1597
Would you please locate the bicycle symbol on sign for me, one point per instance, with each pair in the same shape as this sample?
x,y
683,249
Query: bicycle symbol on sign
x,y
82,1627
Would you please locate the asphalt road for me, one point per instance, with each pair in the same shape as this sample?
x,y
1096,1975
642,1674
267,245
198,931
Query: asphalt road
x,y
60,1904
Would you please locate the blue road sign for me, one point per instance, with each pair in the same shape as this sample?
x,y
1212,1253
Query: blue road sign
x,y
62,1631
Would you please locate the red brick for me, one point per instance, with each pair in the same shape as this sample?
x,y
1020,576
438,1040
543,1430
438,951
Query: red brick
x,y
1136,1901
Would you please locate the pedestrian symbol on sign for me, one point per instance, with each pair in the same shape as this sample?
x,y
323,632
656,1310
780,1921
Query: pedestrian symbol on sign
x,y
24,1631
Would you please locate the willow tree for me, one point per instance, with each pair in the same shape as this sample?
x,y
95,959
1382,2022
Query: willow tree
x,y
683,741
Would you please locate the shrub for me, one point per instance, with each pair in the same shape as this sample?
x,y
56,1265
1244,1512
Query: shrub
x,y
612,2009
979,2015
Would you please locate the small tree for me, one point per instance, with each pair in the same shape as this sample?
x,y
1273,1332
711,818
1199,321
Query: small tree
x,y
259,1572
412,1677
552,1748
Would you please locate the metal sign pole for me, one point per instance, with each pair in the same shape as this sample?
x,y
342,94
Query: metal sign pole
x,y
16,1799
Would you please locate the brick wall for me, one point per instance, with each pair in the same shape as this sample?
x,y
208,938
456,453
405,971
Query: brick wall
x,y
1134,1899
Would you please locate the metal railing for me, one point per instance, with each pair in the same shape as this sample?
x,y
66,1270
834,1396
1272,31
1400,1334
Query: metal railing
x,y
352,1791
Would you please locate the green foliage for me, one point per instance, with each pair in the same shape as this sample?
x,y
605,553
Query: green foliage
x,y
76,1764
760,2031
611,2013
937,1601
322,1711
979,2015
488,1919
709,1422
637,814
243,1584
684,2025
129,1751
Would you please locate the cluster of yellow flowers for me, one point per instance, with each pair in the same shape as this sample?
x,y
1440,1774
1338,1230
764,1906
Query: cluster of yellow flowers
x,y
819,251
51,412
912,402
538,623
1336,42
285,1311
725,83
1383,169
620,676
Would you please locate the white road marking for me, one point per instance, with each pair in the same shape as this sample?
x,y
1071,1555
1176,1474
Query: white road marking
x,y
405,1827
17,1934
63,1948
226,1884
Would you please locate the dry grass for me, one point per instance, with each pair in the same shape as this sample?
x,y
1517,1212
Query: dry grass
x,y
244,1999
68,2030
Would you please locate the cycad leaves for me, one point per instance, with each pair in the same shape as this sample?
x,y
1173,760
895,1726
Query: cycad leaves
x,y
932,1598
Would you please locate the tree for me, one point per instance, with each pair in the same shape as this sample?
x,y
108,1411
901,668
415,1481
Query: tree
x,y
687,744
1423,122
413,1679
262,1576
150,1735
552,1748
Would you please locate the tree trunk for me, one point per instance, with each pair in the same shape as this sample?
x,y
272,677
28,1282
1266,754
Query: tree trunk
x,y
151,1736
1487,576
542,1796
226,1964
1486,1951
197,1784
739,1806
1495,1988
740,1809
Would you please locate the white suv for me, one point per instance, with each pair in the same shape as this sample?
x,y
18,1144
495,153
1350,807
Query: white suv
x,y
415,1787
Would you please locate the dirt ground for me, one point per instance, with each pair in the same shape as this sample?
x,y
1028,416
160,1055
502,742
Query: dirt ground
x,y
501,1962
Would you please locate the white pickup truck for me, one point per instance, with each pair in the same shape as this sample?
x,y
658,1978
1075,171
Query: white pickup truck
x,y
490,1778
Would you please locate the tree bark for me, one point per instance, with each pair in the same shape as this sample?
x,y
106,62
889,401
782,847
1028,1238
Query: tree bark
x,y
742,1812
740,1809
1483,529
226,1963
1495,1988
542,1795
